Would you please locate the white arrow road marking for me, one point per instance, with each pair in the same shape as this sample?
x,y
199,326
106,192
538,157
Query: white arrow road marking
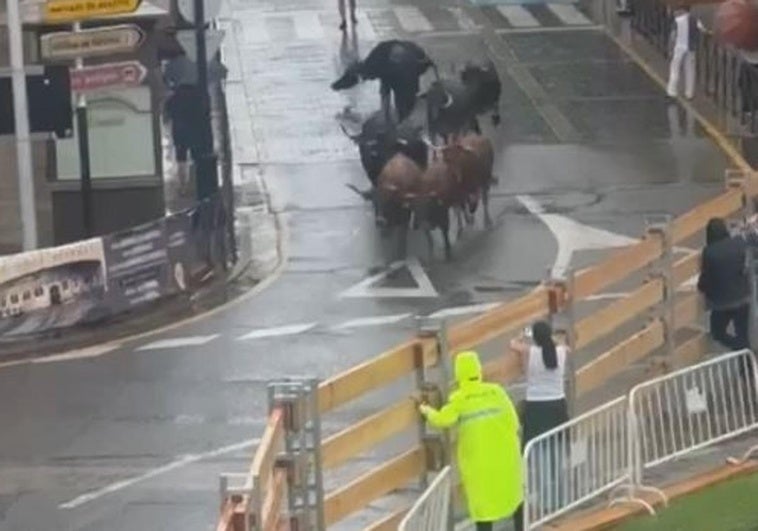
x,y
287,330
424,289
178,463
573,236
178,342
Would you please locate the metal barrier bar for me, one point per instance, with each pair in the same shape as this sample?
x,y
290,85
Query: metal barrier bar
x,y
575,462
431,510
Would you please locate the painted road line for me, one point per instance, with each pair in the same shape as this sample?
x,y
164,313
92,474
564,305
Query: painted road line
x,y
308,26
287,330
174,465
365,28
412,20
90,352
191,341
548,29
464,310
569,14
372,321
518,17
424,287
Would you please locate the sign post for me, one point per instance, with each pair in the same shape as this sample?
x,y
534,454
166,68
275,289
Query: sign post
x,y
206,175
23,142
85,43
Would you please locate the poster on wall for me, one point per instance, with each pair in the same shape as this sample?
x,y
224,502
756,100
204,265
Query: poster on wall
x,y
52,288
137,265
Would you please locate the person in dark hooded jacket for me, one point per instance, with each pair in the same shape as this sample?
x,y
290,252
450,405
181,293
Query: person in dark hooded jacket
x,y
724,283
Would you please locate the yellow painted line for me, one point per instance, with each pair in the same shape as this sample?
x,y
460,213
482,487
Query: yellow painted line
x,y
719,137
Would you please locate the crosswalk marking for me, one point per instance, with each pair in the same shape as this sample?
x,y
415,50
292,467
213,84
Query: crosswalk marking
x,y
308,26
518,16
277,332
569,15
412,20
192,341
364,28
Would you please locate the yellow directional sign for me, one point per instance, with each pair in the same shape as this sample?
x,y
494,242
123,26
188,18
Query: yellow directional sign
x,y
72,10
87,43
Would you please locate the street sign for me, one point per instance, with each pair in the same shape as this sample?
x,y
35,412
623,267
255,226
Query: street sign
x,y
211,9
213,38
73,10
91,42
108,76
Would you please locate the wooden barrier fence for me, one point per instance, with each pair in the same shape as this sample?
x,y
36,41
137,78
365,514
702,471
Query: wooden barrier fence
x,y
262,504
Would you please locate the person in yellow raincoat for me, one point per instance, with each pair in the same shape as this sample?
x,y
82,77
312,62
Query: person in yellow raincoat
x,y
489,450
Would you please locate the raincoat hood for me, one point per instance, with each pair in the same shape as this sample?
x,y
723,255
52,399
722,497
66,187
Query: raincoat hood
x,y
468,368
715,231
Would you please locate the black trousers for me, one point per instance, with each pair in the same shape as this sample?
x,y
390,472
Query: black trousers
x,y
739,317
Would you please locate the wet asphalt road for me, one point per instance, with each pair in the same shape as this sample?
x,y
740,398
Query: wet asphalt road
x,y
132,437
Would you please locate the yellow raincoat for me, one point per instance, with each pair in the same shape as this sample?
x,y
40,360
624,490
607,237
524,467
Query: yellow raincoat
x,y
489,451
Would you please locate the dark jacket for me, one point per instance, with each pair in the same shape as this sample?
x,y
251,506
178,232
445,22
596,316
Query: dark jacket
x,y
723,279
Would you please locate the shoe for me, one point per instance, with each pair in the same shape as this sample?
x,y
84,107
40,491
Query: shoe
x,y
355,20
343,26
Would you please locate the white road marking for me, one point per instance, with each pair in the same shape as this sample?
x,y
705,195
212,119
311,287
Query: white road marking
x,y
573,236
287,330
424,289
548,29
178,463
372,321
365,28
178,342
464,310
569,14
411,19
464,21
518,17
308,26
90,352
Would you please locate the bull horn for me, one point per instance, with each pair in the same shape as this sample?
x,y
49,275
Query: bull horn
x,y
353,138
365,195
402,141
449,100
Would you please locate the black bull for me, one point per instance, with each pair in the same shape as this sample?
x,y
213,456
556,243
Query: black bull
x,y
398,65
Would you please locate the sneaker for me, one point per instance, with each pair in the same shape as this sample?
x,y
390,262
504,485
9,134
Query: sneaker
x,y
343,26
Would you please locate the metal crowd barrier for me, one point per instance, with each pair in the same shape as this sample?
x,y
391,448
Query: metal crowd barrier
x,y
609,448
431,512
575,462
692,408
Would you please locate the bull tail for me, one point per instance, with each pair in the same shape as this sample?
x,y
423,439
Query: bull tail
x,y
365,195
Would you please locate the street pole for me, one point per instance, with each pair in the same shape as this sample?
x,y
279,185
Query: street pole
x,y
21,117
206,176
82,129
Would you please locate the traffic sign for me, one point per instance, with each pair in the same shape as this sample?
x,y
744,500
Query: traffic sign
x,y
211,9
108,76
91,42
73,10
213,40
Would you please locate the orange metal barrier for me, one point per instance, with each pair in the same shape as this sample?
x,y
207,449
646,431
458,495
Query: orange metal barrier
x,y
422,356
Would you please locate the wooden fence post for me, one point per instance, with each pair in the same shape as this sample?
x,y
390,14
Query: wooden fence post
x,y
660,226
562,305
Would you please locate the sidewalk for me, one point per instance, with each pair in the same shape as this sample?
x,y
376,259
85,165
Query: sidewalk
x,y
718,124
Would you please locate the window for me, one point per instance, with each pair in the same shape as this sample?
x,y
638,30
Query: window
x,y
3,302
64,285
14,299
27,295
39,292
113,116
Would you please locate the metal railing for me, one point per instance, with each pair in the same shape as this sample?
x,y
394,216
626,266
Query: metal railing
x,y
689,409
575,462
431,512
609,448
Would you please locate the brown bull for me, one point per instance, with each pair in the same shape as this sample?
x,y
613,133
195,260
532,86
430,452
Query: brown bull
x,y
471,159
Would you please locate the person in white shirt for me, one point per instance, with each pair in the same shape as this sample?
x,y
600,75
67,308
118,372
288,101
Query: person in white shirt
x,y
685,43
544,365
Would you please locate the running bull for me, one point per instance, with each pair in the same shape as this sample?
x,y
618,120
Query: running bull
x,y
454,104
398,65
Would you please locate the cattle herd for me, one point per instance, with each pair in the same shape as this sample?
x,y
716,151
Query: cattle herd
x,y
421,169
